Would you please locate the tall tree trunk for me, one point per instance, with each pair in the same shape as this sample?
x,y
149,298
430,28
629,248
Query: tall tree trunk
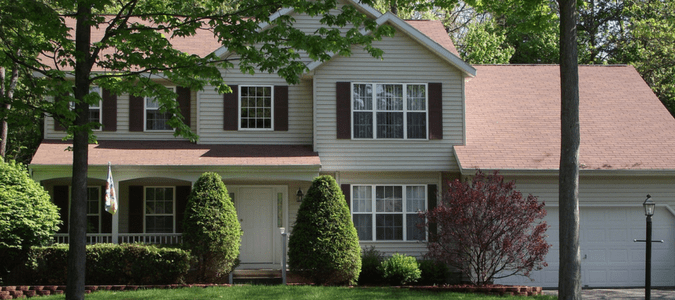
x,y
3,134
7,92
569,280
78,205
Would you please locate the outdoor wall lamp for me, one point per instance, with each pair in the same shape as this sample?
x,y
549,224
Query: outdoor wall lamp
x,y
299,195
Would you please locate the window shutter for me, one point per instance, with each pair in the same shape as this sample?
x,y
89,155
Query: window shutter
x,y
436,111
109,107
182,193
136,107
136,209
281,108
343,111
432,195
106,217
346,191
61,201
231,107
184,103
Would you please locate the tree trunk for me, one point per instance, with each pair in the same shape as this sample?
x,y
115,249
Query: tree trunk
x,y
78,205
569,277
7,92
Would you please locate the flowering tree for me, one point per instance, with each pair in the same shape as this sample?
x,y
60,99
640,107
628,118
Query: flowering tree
x,y
487,229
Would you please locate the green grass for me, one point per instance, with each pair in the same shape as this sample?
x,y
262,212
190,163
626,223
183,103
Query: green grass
x,y
280,292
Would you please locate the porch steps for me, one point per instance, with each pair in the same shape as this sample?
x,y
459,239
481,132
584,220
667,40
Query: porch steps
x,y
257,276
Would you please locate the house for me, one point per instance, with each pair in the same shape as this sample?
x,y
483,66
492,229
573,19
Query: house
x,y
391,132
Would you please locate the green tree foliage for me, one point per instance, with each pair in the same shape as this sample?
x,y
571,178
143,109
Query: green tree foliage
x,y
211,229
27,215
485,44
401,269
323,245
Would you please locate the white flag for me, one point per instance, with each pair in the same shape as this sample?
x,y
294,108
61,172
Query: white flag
x,y
110,194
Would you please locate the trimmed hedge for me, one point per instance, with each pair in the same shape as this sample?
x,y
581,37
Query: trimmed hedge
x,y
106,264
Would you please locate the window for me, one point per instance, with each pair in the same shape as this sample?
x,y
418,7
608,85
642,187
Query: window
x,y
159,209
93,209
389,111
156,120
95,111
388,212
255,107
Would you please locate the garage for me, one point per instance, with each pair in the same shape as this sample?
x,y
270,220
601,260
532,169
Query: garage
x,y
609,257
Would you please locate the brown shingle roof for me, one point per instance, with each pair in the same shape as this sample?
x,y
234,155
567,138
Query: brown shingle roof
x,y
435,31
513,120
177,153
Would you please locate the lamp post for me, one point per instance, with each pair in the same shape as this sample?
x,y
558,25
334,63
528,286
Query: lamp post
x,y
649,206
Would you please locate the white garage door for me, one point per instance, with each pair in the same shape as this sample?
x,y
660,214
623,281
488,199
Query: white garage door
x,y
609,257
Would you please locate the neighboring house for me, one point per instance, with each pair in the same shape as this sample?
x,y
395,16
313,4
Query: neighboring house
x,y
391,132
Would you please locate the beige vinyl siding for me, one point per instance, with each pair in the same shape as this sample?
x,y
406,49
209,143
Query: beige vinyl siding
x,y
123,132
404,61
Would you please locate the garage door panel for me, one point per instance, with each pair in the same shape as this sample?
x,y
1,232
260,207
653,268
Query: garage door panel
x,y
617,256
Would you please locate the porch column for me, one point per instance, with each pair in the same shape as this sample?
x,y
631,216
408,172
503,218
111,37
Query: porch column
x,y
116,217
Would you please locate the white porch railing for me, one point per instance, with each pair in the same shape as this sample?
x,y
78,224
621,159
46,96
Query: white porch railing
x,y
148,238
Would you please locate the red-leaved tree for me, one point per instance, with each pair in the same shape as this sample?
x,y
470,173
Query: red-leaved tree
x,y
487,230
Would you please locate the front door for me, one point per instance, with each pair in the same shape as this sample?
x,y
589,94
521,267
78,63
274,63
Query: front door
x,y
256,215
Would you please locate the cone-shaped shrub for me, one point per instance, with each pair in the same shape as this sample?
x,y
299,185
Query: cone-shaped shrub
x,y
211,229
324,246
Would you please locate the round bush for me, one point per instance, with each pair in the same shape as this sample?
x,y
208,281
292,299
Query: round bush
x,y
27,215
324,246
211,230
401,269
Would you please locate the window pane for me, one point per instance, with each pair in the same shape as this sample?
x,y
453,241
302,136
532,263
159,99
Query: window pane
x,y
415,198
364,227
362,199
168,193
156,120
389,227
390,125
363,125
417,125
159,224
92,224
413,231
417,97
390,97
363,97
389,198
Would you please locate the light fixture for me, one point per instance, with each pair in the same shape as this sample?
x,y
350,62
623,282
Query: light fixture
x,y
649,206
299,194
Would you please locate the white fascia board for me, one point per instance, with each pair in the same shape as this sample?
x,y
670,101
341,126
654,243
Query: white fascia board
x,y
367,9
439,50
222,51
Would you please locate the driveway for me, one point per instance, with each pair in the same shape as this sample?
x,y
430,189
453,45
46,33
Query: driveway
x,y
602,294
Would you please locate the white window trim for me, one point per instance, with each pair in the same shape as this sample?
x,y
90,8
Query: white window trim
x,y
145,188
405,111
239,108
374,212
145,115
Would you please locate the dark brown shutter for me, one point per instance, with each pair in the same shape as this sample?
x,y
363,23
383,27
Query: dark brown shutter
x,y
136,209
230,107
136,112
345,190
184,103
342,108
435,111
61,201
109,108
106,217
432,195
182,193
281,108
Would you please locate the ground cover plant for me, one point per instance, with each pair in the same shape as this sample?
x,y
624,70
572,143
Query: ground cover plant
x,y
282,292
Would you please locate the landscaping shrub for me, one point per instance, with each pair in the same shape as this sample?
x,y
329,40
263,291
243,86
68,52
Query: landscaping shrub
x,y
433,272
106,264
323,245
488,230
371,274
400,269
211,229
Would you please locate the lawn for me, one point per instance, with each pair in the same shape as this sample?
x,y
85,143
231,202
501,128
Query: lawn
x,y
288,292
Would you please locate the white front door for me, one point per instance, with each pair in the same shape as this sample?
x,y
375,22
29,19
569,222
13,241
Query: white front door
x,y
255,210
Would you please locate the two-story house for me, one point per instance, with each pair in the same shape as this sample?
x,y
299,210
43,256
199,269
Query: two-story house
x,y
391,132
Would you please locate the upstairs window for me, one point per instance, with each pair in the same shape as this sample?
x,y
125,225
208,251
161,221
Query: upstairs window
x,y
95,111
155,120
256,107
389,111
